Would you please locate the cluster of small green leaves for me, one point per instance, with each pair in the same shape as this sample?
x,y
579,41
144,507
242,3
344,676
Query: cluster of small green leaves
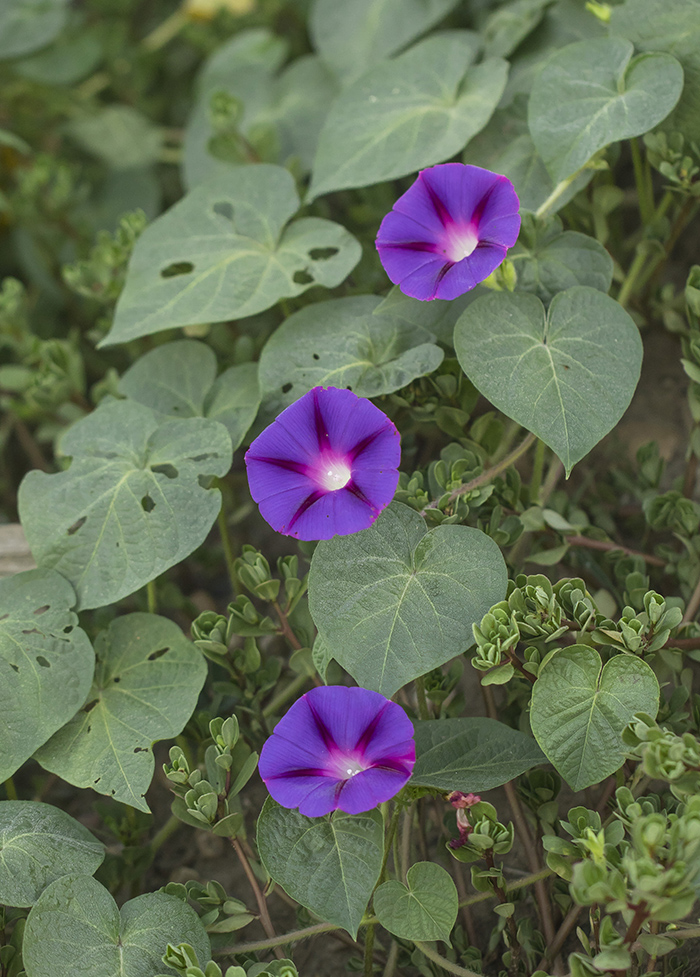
x,y
183,960
642,864
219,912
213,801
537,611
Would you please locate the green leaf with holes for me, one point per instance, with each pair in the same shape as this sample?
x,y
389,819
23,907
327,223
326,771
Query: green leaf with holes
x,y
179,380
27,25
46,663
353,37
593,93
415,110
471,754
38,844
344,343
226,251
76,927
566,374
548,259
395,600
147,680
423,909
133,502
330,865
580,708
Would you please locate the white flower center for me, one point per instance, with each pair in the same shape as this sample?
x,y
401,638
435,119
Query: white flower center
x,y
461,242
335,475
347,764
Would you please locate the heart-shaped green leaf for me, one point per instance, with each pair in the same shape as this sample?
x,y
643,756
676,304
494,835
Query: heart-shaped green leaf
x,y
147,680
38,844
343,343
471,754
567,375
396,600
672,26
330,865
423,909
77,928
132,503
224,252
593,93
46,663
580,708
420,108
179,379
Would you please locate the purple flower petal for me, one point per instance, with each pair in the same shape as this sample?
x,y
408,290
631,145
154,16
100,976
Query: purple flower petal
x,y
326,466
449,231
465,275
338,748
462,192
370,788
314,796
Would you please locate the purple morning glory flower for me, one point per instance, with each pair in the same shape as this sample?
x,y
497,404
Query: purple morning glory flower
x,y
326,466
338,748
449,231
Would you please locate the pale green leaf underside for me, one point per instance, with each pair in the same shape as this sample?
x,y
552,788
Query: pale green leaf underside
x,y
418,109
131,504
423,909
395,600
26,25
330,865
179,379
510,24
471,754
147,680
343,343
352,37
119,135
46,663
593,93
579,710
223,252
567,375
38,844
77,928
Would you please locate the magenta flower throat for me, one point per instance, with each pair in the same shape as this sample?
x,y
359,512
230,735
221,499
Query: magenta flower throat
x,y
449,231
326,466
338,748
